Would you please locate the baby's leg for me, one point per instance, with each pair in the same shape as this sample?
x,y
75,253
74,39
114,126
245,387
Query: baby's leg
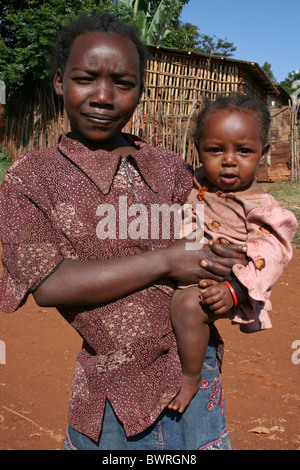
x,y
191,327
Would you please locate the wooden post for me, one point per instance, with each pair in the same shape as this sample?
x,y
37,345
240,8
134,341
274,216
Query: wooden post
x,y
295,176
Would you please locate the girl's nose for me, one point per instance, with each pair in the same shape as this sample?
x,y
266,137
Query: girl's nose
x,y
102,95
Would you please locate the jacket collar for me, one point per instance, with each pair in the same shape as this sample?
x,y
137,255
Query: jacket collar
x,y
101,166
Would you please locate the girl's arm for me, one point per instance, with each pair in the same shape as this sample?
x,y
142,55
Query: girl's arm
x,y
92,282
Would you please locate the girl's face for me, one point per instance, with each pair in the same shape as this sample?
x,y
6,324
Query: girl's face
x,y
100,87
231,148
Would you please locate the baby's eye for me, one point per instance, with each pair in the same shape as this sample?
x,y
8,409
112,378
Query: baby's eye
x,y
245,150
215,150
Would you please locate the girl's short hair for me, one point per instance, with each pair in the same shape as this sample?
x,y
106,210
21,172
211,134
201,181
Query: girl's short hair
x,y
104,23
235,102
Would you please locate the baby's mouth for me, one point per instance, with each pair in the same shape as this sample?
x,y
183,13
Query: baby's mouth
x,y
228,178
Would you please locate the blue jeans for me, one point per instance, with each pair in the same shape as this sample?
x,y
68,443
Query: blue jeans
x,y
202,426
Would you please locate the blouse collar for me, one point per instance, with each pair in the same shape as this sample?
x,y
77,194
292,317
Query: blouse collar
x,y
101,166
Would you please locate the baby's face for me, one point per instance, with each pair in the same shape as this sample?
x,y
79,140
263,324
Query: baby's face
x,y
100,86
231,148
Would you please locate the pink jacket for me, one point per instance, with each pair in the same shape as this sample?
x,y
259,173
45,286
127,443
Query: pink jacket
x,y
254,218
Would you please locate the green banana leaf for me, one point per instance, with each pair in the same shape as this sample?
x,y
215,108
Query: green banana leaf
x,y
153,27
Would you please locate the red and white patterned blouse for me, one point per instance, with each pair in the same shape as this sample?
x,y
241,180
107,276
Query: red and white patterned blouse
x,y
49,211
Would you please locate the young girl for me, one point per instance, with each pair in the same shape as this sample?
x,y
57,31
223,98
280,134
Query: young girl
x,y
232,139
115,290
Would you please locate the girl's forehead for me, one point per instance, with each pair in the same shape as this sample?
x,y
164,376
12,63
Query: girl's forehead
x,y
99,43
94,37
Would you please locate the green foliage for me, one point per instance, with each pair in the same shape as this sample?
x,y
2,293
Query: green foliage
x,y
267,68
5,163
28,30
215,45
183,36
187,36
155,18
288,195
292,83
159,24
296,211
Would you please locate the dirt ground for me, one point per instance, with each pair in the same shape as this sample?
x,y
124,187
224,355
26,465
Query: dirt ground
x,y
260,375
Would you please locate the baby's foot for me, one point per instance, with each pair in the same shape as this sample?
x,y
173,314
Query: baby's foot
x,y
190,386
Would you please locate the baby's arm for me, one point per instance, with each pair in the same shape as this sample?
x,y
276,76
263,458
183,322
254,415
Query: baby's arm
x,y
270,231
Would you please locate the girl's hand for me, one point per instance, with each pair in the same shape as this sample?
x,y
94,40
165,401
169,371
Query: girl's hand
x,y
231,254
227,255
217,297
212,261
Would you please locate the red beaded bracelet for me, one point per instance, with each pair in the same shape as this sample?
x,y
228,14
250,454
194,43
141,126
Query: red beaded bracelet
x,y
232,293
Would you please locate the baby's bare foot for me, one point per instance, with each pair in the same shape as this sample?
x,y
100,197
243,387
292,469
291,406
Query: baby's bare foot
x,y
190,386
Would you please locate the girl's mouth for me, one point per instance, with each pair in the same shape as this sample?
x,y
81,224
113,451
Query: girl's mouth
x,y
102,119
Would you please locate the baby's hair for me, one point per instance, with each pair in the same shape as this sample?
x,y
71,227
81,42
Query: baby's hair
x,y
235,102
104,23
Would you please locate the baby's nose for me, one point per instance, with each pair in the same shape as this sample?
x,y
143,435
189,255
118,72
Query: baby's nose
x,y
229,158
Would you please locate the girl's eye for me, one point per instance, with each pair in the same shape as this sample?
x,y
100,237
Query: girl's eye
x,y
82,80
124,84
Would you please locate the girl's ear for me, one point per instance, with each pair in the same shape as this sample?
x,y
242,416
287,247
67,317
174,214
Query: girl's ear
x,y
142,89
265,152
58,82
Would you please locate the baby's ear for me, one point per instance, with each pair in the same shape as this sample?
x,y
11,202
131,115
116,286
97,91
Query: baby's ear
x,y
265,152
196,143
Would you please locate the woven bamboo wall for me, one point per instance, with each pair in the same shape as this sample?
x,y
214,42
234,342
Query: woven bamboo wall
x,y
176,86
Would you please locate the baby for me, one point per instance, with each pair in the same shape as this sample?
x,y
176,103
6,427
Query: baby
x,y
231,137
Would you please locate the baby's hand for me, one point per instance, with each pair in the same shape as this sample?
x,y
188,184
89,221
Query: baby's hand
x,y
216,295
205,283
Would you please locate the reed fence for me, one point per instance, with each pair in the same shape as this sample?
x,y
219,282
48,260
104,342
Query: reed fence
x,y
176,85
